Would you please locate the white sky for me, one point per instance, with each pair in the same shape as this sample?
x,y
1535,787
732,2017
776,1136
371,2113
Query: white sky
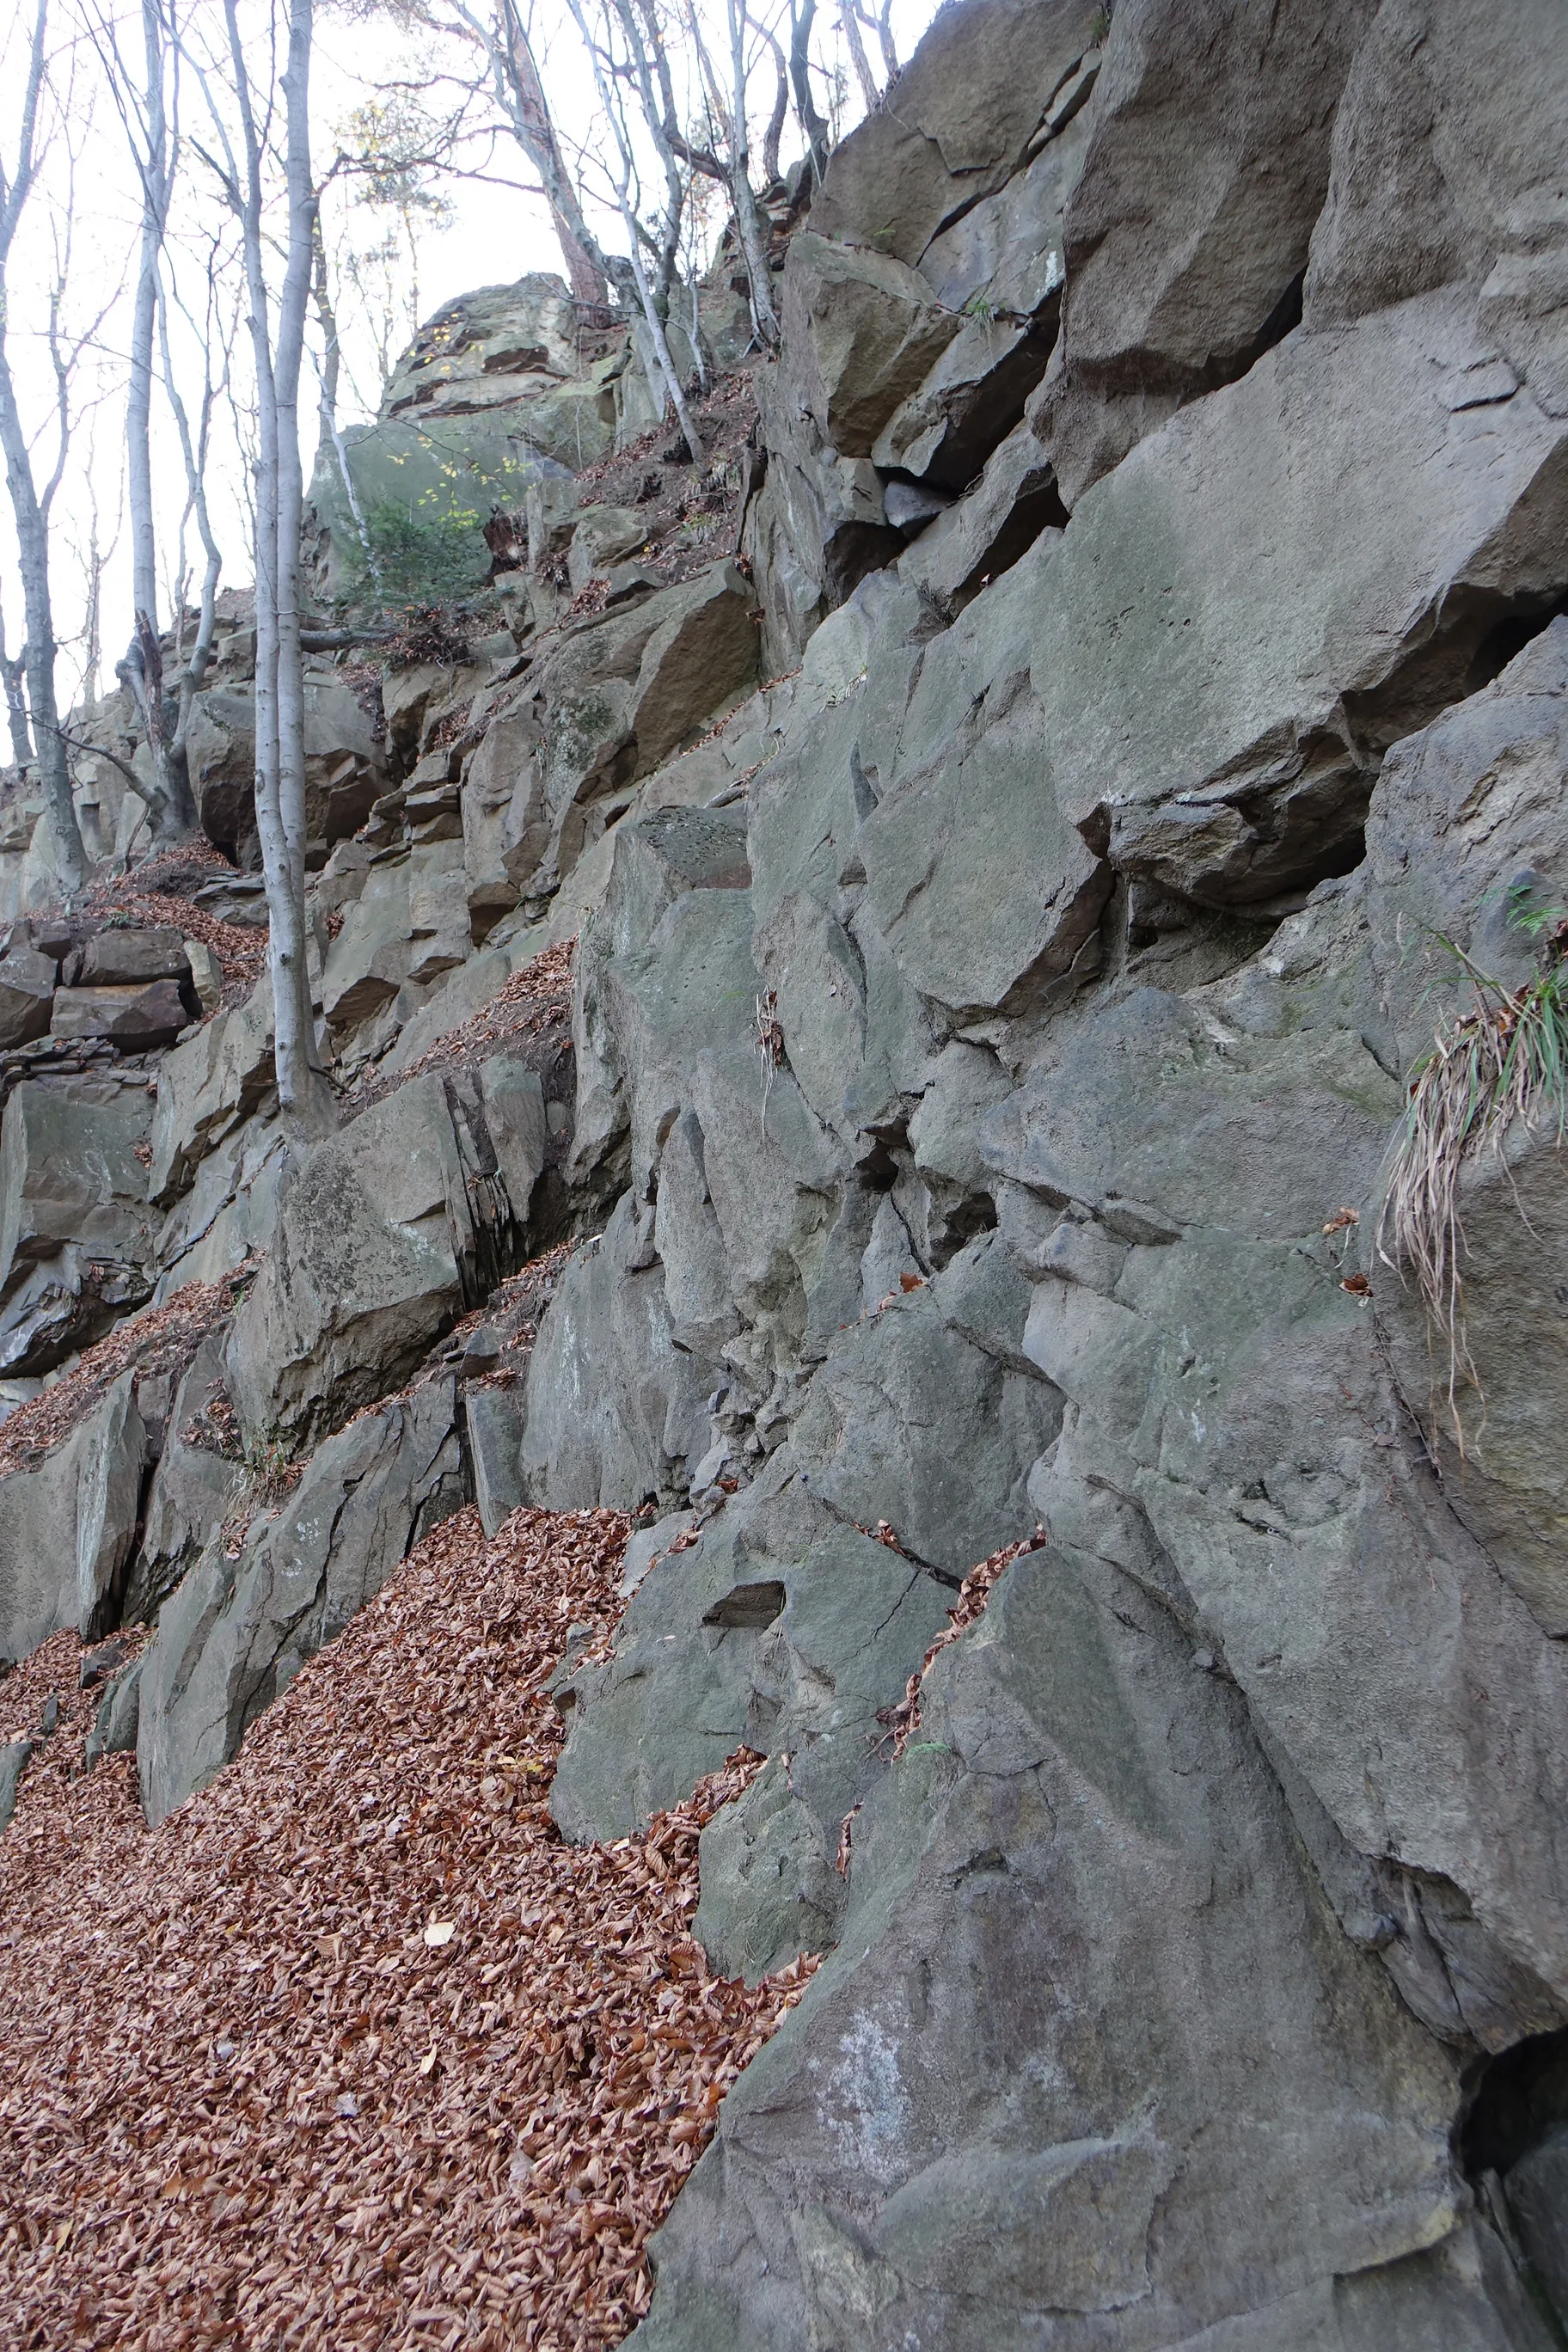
x,y
85,211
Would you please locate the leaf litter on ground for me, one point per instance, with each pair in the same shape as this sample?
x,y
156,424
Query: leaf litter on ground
x,y
247,2098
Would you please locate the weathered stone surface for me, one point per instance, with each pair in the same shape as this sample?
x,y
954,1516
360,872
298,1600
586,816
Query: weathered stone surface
x,y
1466,812
776,1590
123,957
114,1726
1223,745
615,1411
987,532
493,1421
67,1529
816,529
133,1017
1000,266
770,1890
14,1758
602,536
369,960
237,1630
195,1489
208,1085
384,1233
908,2156
505,829
364,1273
967,922
865,328
26,994
1446,157
68,1173
703,655
988,1045
345,766
909,1419
1186,234
63,1304
968,101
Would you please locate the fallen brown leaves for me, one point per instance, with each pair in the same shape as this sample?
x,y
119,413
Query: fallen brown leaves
x,y
534,1004
161,1340
240,948
250,2093
904,1719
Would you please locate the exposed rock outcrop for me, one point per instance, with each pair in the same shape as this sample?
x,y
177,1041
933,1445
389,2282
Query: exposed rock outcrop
x,y
988,1039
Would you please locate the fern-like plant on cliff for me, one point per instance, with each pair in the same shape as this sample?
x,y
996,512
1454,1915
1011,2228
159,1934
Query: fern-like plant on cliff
x,y
1503,1060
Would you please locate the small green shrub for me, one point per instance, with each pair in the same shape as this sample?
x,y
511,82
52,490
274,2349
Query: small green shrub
x,y
424,554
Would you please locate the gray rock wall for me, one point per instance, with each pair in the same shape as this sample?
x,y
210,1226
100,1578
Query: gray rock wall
x,y
988,1141
989,1041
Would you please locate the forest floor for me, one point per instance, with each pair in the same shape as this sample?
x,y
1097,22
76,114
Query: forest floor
x,y
354,2050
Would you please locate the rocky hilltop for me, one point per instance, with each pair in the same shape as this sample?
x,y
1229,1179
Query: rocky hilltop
x,y
1025,814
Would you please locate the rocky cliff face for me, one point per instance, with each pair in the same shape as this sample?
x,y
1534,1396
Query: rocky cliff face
x,y
986,1042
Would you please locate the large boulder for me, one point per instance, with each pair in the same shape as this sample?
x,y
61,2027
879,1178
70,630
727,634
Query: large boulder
x,y
382,1234
68,1529
1446,170
864,328
969,104
26,995
1221,744
70,1173
805,1625
1186,235
208,1087
124,958
1082,1942
134,1017
345,765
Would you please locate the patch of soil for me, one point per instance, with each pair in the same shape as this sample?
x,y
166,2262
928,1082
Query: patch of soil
x,y
353,2050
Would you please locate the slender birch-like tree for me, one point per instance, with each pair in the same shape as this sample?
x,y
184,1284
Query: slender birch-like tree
x,y
277,342
30,508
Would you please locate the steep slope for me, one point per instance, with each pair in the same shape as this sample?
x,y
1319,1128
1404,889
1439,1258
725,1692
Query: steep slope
x,y
960,1133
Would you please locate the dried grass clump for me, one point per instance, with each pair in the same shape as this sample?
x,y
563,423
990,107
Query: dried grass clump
x,y
353,2050
1504,1062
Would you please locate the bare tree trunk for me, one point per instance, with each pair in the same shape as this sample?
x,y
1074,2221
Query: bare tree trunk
x,y
848,16
32,527
330,431
801,19
748,219
774,132
12,668
651,308
885,35
535,130
154,172
302,1092
195,454
32,542
169,806
735,174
